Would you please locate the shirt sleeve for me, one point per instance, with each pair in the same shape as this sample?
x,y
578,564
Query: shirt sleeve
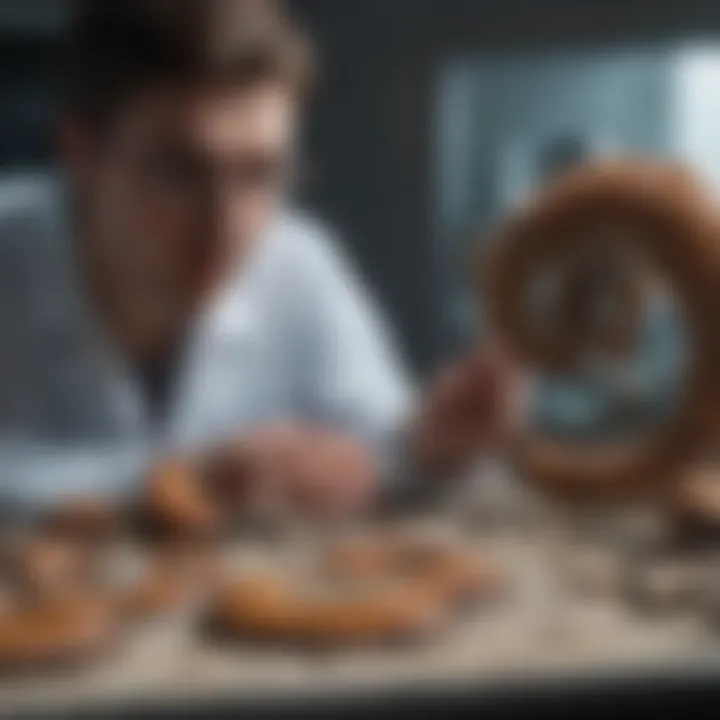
x,y
34,474
355,378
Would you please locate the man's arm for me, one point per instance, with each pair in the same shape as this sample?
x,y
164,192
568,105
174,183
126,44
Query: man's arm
x,y
354,378
35,469
359,386
34,474
355,430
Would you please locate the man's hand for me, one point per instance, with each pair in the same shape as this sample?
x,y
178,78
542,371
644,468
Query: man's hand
x,y
470,409
295,468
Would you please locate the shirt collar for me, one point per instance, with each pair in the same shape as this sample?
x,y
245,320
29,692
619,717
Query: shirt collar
x,y
235,312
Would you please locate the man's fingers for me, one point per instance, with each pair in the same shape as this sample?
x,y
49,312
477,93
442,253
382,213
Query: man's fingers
x,y
475,406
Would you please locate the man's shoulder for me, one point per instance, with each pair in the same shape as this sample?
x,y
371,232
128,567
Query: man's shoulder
x,y
301,235
299,262
29,196
29,217
307,247
30,231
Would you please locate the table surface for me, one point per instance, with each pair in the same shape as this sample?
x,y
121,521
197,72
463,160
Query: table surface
x,y
542,631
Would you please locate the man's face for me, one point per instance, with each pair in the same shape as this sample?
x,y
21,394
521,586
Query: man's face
x,y
183,183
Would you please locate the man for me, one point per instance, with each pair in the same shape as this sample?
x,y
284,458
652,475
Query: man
x,y
163,297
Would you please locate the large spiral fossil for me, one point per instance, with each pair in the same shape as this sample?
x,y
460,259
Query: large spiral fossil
x,y
597,228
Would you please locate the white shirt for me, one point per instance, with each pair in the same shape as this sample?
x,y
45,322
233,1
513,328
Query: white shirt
x,y
294,335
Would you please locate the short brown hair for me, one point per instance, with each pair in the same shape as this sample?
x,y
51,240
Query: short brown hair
x,y
121,48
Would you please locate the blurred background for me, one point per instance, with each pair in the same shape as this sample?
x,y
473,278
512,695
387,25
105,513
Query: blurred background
x,y
435,117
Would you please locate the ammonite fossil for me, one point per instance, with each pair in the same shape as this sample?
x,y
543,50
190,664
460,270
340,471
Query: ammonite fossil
x,y
611,214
